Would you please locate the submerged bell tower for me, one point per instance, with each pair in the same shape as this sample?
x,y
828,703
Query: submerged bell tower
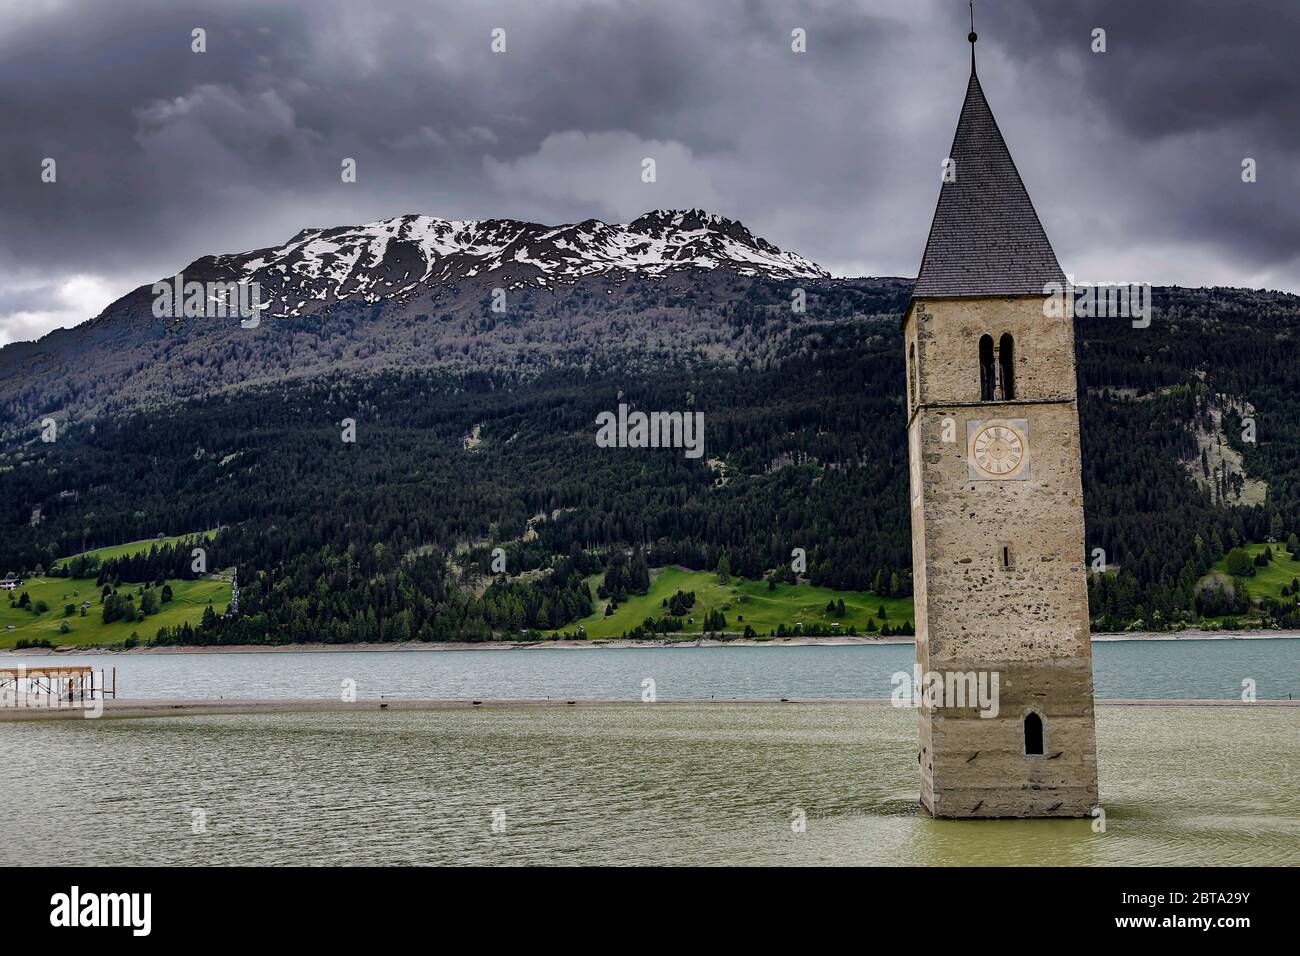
x,y
996,498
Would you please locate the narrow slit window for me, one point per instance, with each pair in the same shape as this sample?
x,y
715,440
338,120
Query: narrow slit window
x,y
1006,556
911,372
1033,734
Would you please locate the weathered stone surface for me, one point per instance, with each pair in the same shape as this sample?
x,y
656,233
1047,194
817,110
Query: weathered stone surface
x,y
999,573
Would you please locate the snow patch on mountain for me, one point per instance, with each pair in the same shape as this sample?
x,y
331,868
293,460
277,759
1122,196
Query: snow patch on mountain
x,y
395,258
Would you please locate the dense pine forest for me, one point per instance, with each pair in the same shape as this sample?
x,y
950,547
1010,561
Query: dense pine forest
x,y
394,534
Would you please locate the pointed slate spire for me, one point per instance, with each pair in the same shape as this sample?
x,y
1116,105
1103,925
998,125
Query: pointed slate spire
x,y
986,239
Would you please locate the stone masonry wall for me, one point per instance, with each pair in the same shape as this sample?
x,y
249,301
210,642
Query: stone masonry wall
x,y
1028,621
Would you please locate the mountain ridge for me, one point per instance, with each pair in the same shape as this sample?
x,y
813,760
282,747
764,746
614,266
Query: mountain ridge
x,y
408,291
399,257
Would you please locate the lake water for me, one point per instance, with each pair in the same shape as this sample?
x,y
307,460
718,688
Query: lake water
x,y
607,784
1123,669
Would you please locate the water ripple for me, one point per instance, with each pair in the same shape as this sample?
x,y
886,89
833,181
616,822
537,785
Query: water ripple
x,y
658,784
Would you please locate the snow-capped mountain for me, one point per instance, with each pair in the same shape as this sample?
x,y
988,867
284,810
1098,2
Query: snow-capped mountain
x,y
416,291
396,258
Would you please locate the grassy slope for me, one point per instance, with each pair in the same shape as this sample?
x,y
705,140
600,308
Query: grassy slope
x,y
1268,581
135,547
763,609
189,598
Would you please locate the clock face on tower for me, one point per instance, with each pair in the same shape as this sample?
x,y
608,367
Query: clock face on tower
x,y
997,449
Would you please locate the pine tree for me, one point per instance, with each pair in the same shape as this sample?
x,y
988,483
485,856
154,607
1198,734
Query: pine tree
x,y
639,574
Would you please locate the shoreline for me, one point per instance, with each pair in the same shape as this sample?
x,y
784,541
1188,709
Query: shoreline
x,y
131,709
605,643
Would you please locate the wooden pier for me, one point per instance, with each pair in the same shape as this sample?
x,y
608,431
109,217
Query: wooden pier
x,y
58,685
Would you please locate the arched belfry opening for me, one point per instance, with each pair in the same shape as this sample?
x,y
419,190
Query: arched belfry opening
x,y
1007,366
988,376
1033,734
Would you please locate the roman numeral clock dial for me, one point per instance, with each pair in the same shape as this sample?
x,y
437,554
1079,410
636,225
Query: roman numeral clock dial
x,y
997,450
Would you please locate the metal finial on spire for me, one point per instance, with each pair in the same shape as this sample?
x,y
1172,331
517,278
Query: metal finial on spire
x,y
973,36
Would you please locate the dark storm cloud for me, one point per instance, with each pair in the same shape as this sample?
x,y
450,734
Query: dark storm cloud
x,y
1133,156
1183,67
1185,93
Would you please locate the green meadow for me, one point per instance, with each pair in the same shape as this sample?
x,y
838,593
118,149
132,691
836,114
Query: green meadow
x,y
189,598
743,603
136,547
1267,581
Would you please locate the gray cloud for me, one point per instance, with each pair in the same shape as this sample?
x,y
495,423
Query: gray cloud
x,y
1132,156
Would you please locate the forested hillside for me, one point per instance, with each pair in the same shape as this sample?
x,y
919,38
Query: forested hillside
x,y
1155,400
391,536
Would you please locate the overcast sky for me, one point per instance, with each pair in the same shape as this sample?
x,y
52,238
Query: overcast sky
x,y
1133,156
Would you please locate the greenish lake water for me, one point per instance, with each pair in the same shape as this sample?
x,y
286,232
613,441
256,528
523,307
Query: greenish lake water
x,y
603,784
1160,670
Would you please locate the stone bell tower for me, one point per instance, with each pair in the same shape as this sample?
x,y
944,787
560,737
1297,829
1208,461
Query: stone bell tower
x,y
996,499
